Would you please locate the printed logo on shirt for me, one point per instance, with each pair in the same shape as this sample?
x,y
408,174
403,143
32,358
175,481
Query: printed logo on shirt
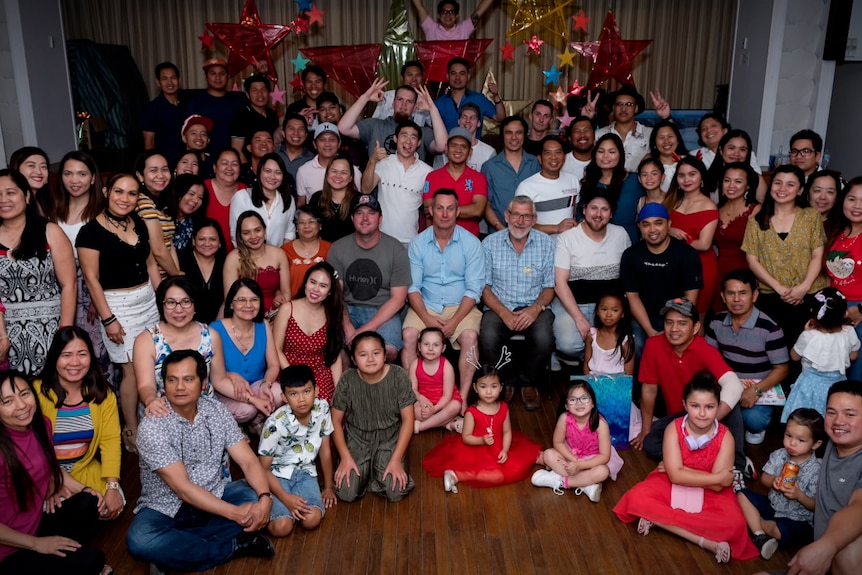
x,y
363,279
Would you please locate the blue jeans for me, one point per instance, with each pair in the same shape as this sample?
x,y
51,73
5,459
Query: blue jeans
x,y
301,484
566,334
390,330
192,540
756,418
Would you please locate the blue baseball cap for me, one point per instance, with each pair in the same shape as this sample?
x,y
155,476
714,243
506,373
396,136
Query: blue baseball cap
x,y
653,210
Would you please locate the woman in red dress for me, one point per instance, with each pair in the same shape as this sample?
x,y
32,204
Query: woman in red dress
x,y
690,493
693,219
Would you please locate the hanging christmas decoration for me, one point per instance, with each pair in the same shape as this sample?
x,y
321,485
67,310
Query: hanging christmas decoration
x,y
508,52
534,44
435,55
315,16
581,21
546,13
351,67
207,40
611,55
552,76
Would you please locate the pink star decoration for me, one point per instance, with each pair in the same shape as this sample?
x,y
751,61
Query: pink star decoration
x,y
559,96
576,88
277,95
565,119
534,45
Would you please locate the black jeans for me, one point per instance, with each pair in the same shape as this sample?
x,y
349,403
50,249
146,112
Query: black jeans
x,y
538,347
76,519
733,421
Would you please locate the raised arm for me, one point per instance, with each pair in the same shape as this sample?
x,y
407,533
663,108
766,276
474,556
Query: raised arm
x,y
347,124
441,135
421,12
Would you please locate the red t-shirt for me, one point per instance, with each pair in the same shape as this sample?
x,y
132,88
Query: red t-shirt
x,y
470,184
220,213
660,365
844,266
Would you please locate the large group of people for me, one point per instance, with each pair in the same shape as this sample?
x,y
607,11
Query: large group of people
x,y
243,276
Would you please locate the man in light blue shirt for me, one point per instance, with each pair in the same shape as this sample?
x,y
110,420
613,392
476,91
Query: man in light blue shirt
x,y
448,274
519,287
507,169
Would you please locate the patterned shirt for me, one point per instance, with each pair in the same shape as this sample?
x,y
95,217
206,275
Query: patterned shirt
x,y
518,279
809,473
199,445
291,444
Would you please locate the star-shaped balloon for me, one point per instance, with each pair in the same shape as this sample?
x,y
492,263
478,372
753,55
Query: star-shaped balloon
x,y
508,52
552,76
206,40
559,96
534,44
303,5
546,13
296,83
351,67
250,42
581,21
576,88
565,119
277,95
566,58
299,63
315,15
612,56
436,55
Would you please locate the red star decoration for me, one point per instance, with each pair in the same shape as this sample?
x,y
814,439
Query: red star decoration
x,y
206,40
300,25
250,42
576,88
352,67
435,55
612,56
580,21
315,15
534,45
296,83
508,51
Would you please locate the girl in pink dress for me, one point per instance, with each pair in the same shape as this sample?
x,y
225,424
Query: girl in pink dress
x,y
582,456
689,493
438,401
488,452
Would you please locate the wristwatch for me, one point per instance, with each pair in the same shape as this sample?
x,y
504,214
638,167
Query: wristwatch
x,y
113,485
758,391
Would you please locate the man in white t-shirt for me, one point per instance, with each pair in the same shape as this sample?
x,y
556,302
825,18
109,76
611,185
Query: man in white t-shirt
x,y
554,193
586,266
582,136
310,175
400,180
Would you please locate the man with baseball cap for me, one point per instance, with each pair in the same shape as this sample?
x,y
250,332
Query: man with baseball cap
x,y
656,269
310,175
195,136
470,185
375,272
164,115
217,103
670,359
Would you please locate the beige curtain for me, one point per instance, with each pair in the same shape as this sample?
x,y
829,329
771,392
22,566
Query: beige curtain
x,y
690,54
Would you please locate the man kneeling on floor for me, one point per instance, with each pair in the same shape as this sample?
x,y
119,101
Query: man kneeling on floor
x,y
189,517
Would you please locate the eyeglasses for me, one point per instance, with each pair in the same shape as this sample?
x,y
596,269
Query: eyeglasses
x,y
447,12
521,217
579,399
172,304
804,152
246,300
624,104
306,222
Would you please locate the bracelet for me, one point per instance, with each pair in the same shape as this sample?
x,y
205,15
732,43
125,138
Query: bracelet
x,y
109,320
264,494
115,485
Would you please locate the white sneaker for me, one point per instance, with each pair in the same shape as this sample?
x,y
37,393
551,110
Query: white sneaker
x,y
593,492
755,438
555,363
547,478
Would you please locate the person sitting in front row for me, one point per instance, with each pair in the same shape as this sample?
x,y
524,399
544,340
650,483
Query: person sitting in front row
x,y
189,517
302,422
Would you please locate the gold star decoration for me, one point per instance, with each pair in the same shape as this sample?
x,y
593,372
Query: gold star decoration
x,y
546,13
566,58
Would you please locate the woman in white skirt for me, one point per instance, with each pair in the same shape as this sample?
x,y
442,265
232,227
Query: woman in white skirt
x,y
120,272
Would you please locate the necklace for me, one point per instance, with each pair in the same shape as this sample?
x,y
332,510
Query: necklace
x,y
244,347
119,223
843,240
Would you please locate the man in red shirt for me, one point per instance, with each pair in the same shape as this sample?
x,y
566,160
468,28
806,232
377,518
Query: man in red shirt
x,y
669,361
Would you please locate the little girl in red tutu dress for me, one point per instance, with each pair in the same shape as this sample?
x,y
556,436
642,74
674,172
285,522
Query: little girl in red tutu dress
x,y
689,493
488,452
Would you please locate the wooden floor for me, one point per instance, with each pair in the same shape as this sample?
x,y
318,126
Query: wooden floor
x,y
511,529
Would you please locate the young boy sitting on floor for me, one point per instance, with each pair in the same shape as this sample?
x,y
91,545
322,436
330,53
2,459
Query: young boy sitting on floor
x,y
290,441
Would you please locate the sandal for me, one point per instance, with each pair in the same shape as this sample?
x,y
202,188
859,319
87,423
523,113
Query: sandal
x,y
130,440
644,527
722,551
456,425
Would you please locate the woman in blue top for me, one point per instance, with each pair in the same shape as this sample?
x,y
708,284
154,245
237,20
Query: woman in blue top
x,y
250,356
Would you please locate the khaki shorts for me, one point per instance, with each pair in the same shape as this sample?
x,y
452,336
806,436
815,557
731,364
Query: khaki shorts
x,y
471,321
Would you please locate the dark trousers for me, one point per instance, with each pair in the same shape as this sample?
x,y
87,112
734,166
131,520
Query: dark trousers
x,y
653,442
537,348
75,519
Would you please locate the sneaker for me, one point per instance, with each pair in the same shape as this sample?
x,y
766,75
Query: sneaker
x,y
548,478
755,438
749,471
738,481
555,363
767,545
593,492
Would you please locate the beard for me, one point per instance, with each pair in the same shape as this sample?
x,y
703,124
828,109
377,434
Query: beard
x,y
400,116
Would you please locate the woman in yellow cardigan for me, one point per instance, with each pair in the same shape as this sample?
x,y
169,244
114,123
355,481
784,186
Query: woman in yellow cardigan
x,y
75,396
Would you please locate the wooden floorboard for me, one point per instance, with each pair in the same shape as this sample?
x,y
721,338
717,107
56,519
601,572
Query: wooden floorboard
x,y
511,529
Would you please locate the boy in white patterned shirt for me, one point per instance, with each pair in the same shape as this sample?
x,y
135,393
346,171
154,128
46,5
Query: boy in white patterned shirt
x,y
290,441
